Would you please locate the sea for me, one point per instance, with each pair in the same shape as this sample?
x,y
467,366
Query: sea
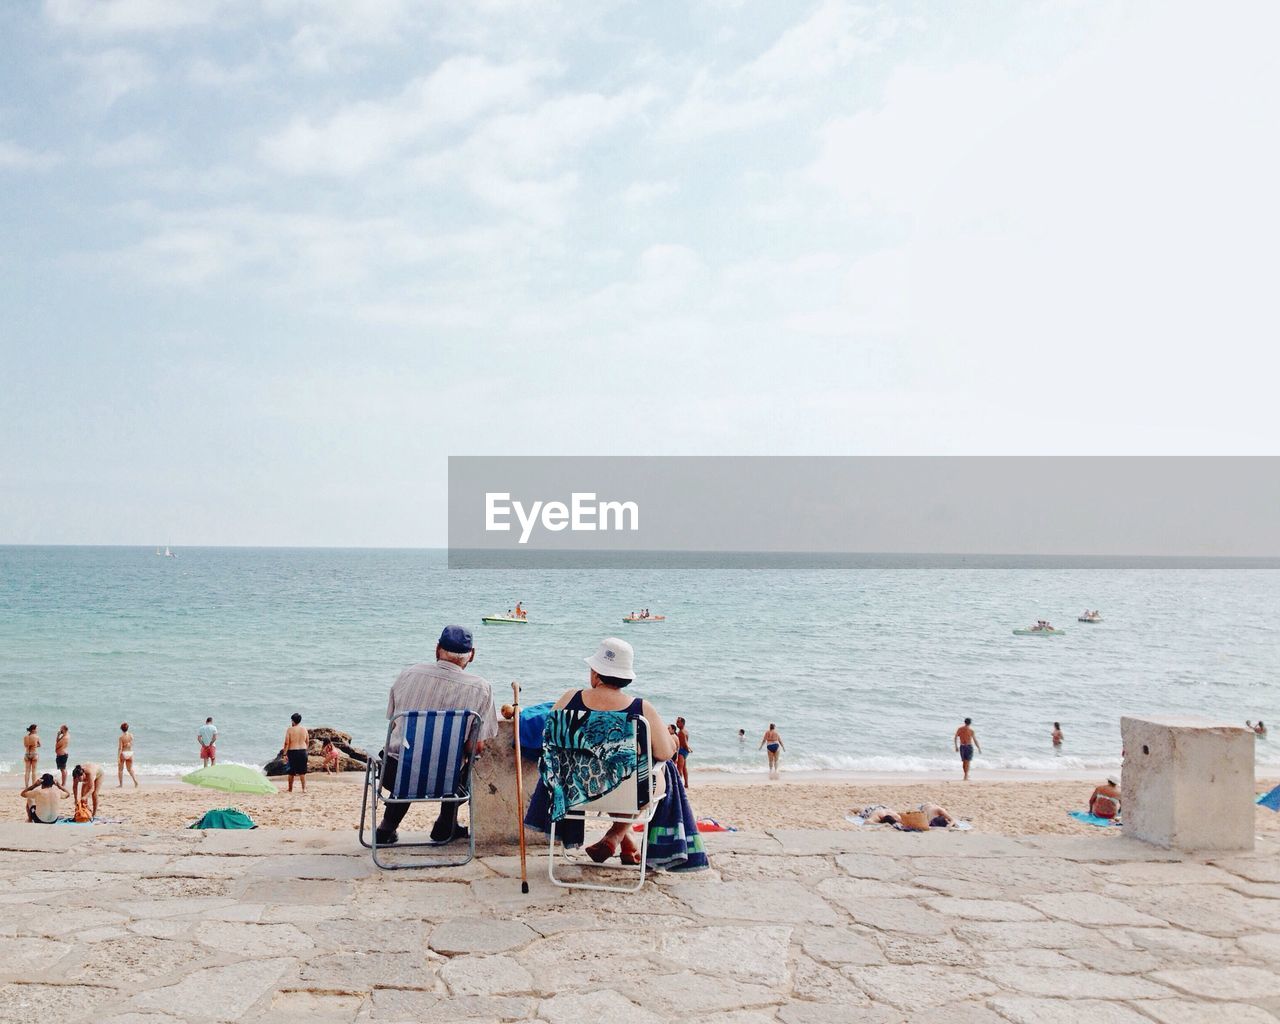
x,y
865,663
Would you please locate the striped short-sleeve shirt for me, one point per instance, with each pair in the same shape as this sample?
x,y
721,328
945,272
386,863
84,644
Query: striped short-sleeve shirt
x,y
442,686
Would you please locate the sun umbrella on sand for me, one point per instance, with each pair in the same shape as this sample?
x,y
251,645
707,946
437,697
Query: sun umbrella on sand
x,y
231,778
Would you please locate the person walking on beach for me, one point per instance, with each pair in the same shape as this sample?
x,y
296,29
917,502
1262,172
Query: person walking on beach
x,y
60,749
42,800
295,750
966,741
441,685
30,756
207,737
86,783
682,753
772,742
124,755
1057,737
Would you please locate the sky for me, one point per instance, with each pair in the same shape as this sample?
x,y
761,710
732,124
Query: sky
x,y
265,265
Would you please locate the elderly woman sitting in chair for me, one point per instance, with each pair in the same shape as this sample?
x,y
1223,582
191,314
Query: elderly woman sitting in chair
x,y
589,718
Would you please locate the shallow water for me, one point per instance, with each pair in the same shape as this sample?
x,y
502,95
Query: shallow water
x,y
863,668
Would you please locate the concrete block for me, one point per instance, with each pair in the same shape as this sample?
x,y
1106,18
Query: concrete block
x,y
493,780
1188,783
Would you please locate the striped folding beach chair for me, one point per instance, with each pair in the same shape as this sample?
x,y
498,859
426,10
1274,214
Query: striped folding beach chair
x,y
431,768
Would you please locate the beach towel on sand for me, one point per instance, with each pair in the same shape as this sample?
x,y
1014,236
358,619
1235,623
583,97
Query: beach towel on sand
x,y
1092,819
224,817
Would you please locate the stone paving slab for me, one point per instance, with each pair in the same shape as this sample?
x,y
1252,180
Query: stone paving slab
x,y
798,927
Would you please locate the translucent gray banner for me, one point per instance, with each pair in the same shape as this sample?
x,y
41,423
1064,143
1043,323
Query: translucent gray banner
x,y
755,510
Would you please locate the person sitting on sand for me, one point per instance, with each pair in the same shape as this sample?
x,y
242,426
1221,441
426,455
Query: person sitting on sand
x,y
296,740
124,755
30,755
330,757
966,741
673,830
1105,801
60,751
86,783
42,800
772,742
441,685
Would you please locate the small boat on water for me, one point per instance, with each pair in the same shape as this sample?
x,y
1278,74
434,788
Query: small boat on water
x,y
644,618
1089,617
503,620
1040,631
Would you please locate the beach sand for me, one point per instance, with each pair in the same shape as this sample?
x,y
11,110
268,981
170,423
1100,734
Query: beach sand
x,y
1008,806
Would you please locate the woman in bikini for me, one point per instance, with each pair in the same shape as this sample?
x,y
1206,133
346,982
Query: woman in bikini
x,y
124,754
30,757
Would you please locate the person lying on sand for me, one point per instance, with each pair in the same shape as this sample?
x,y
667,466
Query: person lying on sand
x,y
42,800
878,814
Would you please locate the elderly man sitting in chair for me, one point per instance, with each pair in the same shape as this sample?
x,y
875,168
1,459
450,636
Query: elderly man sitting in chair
x,y
440,686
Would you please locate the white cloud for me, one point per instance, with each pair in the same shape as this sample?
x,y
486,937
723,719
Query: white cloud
x,y
16,157
366,133
113,73
214,74
112,17
642,193
131,150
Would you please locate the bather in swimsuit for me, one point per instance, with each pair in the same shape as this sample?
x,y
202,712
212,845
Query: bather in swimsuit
x,y
61,761
297,758
771,747
966,751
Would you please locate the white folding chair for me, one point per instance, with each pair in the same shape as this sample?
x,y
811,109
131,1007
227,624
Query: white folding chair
x,y
622,804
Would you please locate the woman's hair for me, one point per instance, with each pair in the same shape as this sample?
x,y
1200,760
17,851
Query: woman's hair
x,y
772,726
295,718
31,728
76,772
124,726
613,681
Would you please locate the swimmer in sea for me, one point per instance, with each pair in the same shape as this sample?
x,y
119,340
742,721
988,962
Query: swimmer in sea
x,y
1057,737
772,742
124,755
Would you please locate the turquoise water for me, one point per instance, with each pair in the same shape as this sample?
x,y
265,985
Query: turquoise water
x,y
868,667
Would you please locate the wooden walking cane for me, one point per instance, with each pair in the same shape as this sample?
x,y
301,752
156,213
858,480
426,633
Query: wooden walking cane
x,y
515,722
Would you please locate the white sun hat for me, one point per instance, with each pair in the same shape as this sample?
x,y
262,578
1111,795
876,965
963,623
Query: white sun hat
x,y
614,658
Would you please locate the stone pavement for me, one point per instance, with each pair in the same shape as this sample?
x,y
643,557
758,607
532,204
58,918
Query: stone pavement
x,y
136,927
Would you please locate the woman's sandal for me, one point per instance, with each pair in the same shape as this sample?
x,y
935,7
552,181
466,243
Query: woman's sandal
x,y
601,851
628,852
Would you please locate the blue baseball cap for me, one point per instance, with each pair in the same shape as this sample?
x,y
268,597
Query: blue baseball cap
x,y
456,639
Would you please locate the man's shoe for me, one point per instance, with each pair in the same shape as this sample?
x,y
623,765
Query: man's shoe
x,y
388,838
459,832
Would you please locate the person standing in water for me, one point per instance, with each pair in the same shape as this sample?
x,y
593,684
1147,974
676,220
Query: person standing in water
x,y
295,750
966,741
124,755
60,748
207,737
772,742
1057,737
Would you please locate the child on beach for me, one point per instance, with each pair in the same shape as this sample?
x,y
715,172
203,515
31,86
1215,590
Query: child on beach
x,y
330,757
295,750
124,755
61,746
772,742
30,756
